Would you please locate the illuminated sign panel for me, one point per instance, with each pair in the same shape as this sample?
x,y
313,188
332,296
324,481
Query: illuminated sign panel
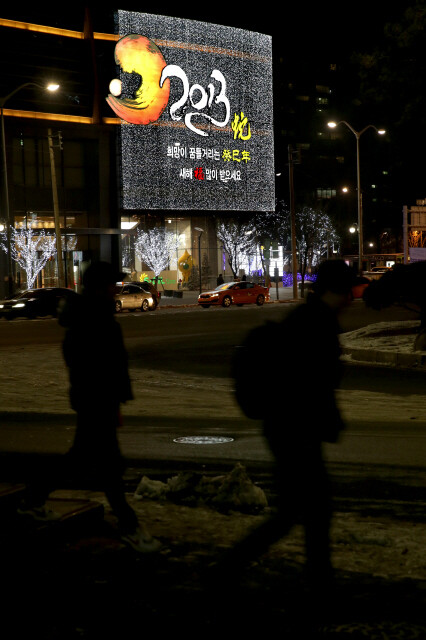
x,y
197,111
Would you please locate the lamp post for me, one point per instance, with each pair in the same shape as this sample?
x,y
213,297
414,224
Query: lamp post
x,y
357,135
199,251
294,264
51,87
61,276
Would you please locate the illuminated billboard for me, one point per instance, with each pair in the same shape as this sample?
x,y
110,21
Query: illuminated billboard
x,y
196,104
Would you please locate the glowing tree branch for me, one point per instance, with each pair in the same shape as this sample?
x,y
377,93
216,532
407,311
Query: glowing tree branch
x,y
238,240
315,232
68,243
155,247
30,250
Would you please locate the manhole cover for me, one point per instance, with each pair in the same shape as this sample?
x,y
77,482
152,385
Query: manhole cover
x,y
202,440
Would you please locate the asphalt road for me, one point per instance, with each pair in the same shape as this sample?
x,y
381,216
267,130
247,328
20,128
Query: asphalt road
x,y
377,472
214,320
199,342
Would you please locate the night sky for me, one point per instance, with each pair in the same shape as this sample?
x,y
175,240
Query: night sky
x,y
302,37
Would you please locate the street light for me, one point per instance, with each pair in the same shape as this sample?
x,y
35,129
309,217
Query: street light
x,y
199,251
52,87
292,220
357,135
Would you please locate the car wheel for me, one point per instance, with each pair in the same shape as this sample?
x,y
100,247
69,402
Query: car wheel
x,y
205,306
226,302
118,307
260,300
145,305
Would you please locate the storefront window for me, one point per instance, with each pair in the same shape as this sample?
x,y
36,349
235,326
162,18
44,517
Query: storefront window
x,y
182,263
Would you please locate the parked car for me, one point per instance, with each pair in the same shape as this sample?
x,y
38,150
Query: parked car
x,y
361,283
35,303
238,293
149,288
376,272
131,296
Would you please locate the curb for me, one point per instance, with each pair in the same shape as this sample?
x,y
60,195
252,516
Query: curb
x,y
398,360
195,304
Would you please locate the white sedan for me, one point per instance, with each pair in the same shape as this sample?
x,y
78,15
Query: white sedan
x,y
130,296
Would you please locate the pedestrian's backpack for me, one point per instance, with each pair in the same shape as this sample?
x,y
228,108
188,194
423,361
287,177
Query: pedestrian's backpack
x,y
251,359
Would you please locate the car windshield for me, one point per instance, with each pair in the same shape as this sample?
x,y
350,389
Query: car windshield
x,y
30,294
227,285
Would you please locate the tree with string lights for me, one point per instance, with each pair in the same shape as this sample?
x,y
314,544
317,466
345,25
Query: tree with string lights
x,y
155,248
31,250
315,233
238,240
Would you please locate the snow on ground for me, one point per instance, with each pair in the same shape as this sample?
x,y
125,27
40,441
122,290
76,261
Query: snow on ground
x,y
383,336
34,379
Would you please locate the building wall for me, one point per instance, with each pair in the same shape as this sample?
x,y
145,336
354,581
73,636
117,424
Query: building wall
x,y
86,189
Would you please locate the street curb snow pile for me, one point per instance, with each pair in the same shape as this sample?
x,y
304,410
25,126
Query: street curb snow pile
x,y
234,491
398,336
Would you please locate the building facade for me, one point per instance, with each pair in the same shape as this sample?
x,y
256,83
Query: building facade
x,y
63,155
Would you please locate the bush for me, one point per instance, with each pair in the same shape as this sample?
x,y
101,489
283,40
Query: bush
x,y
288,278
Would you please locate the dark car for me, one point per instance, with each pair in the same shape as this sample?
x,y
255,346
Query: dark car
x,y
35,303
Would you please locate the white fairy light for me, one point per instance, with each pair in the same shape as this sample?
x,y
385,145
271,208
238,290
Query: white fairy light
x,y
68,243
31,250
204,167
154,248
238,241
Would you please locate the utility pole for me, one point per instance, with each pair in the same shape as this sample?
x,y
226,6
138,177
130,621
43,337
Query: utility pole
x,y
61,278
293,222
405,232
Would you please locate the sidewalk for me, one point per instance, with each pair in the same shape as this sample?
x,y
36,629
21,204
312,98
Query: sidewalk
x,y
77,581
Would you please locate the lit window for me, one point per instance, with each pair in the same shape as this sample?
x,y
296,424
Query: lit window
x,y
326,194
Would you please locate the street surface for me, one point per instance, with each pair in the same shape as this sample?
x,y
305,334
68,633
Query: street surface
x,y
179,364
179,360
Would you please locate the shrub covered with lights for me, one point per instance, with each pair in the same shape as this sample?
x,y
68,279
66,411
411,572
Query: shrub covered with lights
x,y
288,278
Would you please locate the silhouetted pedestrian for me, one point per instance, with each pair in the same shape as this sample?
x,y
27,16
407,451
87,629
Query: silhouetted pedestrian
x,y
308,374
219,280
96,358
